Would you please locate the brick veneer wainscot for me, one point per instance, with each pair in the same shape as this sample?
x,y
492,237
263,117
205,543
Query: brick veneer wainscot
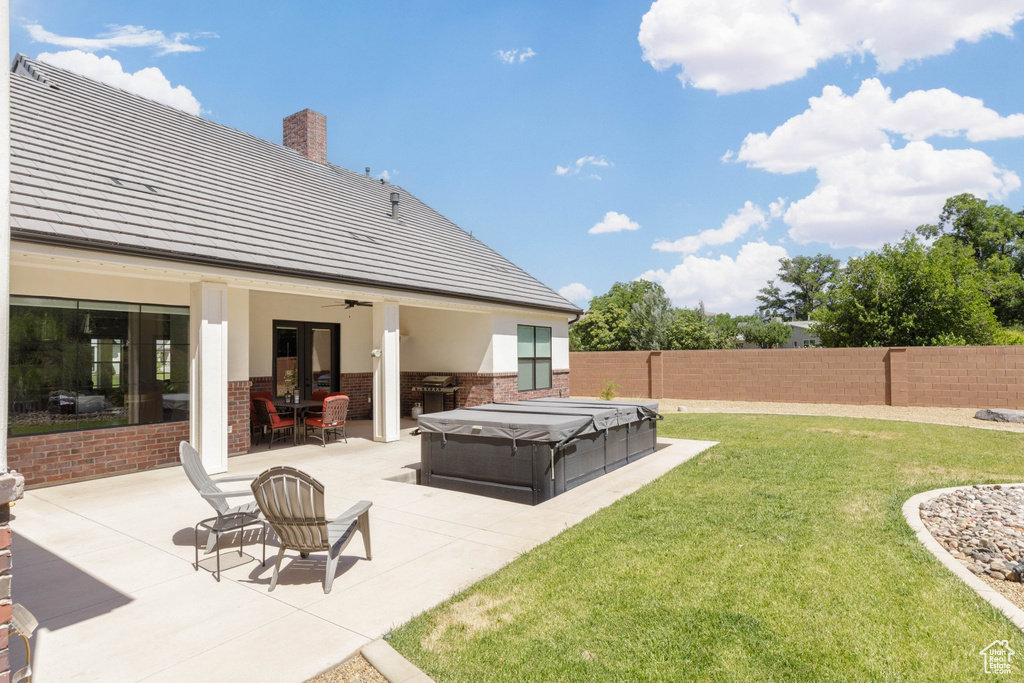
x,y
479,388
238,417
66,456
12,488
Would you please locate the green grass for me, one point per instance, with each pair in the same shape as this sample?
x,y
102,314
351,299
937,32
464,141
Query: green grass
x,y
781,554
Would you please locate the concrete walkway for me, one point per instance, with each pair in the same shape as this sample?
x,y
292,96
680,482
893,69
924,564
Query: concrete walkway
x,y
106,565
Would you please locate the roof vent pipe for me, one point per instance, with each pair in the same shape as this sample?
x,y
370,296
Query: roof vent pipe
x,y
367,171
394,205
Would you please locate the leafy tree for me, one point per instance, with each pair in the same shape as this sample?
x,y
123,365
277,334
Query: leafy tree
x,y
909,294
630,316
808,277
695,329
995,237
765,334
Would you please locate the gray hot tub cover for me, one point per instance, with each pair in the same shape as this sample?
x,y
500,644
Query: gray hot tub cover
x,y
504,425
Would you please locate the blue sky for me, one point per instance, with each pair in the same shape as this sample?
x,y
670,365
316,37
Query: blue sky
x,y
689,142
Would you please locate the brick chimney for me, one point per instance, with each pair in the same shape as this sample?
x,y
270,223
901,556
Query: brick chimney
x,y
306,133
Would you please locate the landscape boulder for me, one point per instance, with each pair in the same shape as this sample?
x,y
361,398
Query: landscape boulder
x,y
1000,415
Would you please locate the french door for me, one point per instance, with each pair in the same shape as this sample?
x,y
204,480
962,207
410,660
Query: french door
x,y
306,357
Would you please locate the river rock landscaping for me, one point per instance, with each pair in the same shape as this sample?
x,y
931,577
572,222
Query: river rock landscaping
x,y
983,527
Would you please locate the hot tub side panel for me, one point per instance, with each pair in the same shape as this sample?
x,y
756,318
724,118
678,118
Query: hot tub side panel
x,y
490,467
642,439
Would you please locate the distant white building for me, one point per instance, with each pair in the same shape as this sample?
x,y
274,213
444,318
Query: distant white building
x,y
800,336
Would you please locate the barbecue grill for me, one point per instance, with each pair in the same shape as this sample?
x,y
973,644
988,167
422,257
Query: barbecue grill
x,y
434,389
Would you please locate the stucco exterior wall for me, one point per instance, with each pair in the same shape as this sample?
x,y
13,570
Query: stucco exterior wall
x,y
27,280
266,307
434,338
506,357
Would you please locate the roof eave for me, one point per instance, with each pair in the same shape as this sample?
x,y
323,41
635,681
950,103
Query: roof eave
x,y
125,250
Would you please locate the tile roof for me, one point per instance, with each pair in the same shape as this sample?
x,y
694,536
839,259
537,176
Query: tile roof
x,y
98,168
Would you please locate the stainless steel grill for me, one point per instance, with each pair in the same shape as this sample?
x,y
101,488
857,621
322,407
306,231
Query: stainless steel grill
x,y
434,389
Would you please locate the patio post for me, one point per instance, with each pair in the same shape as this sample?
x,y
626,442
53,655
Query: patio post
x,y
208,404
5,225
386,383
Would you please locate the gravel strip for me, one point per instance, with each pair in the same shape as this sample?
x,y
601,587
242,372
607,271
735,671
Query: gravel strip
x,y
353,670
958,417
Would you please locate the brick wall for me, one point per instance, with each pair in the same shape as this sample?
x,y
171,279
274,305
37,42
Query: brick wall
x,y
965,377
479,388
359,387
12,488
6,603
261,383
66,456
238,417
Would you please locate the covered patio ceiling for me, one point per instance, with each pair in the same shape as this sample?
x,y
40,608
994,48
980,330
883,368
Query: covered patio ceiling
x,y
106,565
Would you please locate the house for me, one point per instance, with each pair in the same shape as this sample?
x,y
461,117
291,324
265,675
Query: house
x,y
801,335
163,266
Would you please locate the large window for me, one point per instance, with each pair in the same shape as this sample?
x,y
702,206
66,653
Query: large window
x,y
534,357
87,364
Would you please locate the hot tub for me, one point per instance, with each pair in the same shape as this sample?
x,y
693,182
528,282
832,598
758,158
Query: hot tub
x,y
531,451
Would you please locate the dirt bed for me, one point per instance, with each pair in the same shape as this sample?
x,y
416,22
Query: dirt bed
x,y
959,417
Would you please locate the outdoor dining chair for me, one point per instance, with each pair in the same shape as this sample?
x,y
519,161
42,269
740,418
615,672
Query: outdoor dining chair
x,y
293,503
271,420
210,490
331,421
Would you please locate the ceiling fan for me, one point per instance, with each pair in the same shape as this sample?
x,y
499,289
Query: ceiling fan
x,y
348,303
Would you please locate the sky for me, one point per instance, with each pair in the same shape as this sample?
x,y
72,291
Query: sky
x,y
693,143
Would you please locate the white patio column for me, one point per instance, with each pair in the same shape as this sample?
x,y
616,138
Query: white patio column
x,y
387,397
208,404
238,349
5,226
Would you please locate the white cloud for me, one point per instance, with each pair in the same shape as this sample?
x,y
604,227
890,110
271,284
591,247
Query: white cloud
x,y
149,82
614,222
723,283
869,190
776,208
734,227
121,36
869,197
516,55
575,167
735,45
577,293
835,124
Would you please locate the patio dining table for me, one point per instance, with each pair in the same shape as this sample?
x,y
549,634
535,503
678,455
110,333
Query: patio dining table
x,y
299,410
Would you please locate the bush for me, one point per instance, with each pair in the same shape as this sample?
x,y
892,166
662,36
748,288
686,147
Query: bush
x,y
608,392
1008,336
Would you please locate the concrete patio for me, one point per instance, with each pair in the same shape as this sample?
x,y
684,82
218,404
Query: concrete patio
x,y
106,565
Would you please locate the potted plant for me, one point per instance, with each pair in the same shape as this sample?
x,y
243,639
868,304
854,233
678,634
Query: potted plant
x,y
290,382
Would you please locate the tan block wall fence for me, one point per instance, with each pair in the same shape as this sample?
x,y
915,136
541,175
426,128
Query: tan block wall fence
x,y
956,377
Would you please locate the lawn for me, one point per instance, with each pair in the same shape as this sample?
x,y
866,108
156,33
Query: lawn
x,y
781,554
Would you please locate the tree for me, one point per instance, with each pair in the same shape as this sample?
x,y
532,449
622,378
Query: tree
x,y
630,316
995,237
909,294
695,329
809,278
765,334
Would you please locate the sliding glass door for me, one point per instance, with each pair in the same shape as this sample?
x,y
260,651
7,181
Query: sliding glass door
x,y
305,357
